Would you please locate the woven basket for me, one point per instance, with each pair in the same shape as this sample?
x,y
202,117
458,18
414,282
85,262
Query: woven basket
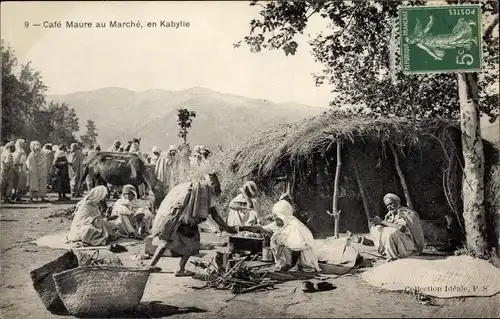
x,y
43,281
101,290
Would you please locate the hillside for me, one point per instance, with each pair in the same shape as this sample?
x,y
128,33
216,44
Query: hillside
x,y
222,119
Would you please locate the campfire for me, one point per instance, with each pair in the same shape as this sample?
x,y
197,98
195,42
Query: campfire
x,y
233,274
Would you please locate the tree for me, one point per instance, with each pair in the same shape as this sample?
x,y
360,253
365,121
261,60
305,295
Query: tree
x,y
25,113
472,145
357,55
90,137
184,120
64,123
12,93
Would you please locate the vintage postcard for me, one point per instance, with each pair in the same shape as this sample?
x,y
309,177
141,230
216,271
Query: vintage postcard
x,y
269,159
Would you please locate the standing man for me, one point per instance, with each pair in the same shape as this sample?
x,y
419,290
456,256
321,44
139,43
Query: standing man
x,y
75,160
176,224
7,171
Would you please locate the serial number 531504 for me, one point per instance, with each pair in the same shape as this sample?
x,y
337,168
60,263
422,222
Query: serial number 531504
x,y
461,12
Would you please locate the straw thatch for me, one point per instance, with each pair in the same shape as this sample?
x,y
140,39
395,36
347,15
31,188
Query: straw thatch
x,y
264,153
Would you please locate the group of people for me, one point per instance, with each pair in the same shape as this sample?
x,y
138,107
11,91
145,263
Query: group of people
x,y
130,218
176,224
33,173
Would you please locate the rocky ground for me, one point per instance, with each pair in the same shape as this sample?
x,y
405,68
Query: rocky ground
x,y
168,296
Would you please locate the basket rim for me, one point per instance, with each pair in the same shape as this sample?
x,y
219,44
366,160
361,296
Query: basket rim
x,y
106,268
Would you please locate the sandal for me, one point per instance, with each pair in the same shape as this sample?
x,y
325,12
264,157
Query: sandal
x,y
184,273
115,248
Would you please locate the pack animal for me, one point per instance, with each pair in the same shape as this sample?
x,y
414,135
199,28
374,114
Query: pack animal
x,y
119,169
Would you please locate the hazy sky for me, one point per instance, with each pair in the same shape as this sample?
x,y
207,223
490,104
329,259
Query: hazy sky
x,y
158,58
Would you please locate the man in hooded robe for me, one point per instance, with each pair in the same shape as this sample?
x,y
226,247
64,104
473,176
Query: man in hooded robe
x,y
165,168
292,243
49,154
183,162
94,149
7,171
176,223
37,172
88,226
135,146
75,160
197,157
400,233
156,152
20,178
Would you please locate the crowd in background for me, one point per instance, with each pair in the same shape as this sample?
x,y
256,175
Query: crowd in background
x,y
55,168
34,173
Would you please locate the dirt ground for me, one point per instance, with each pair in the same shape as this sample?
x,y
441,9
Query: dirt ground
x,y
168,296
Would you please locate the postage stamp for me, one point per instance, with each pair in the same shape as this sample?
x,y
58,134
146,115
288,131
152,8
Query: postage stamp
x,y
441,39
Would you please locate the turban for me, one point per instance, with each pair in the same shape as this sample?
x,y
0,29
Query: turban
x,y
392,197
129,189
249,189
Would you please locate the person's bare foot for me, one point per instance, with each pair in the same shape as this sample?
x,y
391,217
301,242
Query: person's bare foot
x,y
296,268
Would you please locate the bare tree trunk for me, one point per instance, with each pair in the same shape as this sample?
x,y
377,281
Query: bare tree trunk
x,y
336,212
401,177
366,202
473,185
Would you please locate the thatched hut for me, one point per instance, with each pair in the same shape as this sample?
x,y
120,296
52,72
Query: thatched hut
x,y
418,160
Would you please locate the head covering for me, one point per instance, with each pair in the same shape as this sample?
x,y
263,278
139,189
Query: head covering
x,y
286,196
48,146
59,152
156,149
283,210
20,145
9,144
117,142
96,194
35,146
129,189
392,197
249,189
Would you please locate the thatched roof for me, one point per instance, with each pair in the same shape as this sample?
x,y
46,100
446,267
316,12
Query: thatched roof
x,y
295,142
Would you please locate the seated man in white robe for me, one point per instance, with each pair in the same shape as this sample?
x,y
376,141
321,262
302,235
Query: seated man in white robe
x,y
292,243
244,208
133,218
400,234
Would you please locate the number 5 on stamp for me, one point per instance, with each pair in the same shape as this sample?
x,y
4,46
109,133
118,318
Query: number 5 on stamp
x,y
442,39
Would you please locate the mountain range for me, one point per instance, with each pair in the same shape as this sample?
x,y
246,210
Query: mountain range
x,y
222,120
